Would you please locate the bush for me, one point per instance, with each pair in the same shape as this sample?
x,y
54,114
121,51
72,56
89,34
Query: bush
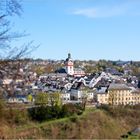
x,y
43,113
14,116
129,133
73,118
124,136
40,113
2,108
21,117
71,109
56,111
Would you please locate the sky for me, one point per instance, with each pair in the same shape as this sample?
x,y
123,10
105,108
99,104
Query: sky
x,y
88,29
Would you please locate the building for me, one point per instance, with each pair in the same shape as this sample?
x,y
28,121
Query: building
x,y
77,91
69,65
65,97
70,70
101,96
121,94
118,94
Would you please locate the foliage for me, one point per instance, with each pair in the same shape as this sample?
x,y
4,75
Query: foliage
x,y
41,99
92,125
51,99
39,70
30,98
70,109
43,113
122,111
40,113
95,124
16,116
2,108
73,118
54,99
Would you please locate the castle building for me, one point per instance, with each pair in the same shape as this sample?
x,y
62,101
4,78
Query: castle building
x,y
70,70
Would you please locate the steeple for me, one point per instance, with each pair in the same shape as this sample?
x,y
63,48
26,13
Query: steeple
x,y
69,56
69,65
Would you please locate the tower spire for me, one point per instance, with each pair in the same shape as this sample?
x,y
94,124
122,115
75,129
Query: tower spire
x,y
69,55
69,65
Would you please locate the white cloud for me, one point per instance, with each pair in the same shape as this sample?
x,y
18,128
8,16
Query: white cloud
x,y
89,12
108,10
99,12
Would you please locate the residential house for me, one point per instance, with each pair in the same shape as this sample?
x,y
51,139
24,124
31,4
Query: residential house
x,y
101,96
77,91
65,96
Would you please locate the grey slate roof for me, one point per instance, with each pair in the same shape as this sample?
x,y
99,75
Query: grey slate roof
x,y
116,86
102,90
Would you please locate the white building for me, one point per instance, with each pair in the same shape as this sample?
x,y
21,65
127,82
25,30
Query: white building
x,y
102,96
70,70
69,65
65,96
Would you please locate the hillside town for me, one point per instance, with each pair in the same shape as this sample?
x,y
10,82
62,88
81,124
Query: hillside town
x,y
73,84
69,69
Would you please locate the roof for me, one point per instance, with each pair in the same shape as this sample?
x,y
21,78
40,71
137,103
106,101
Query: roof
x,y
78,69
77,85
116,86
102,90
135,90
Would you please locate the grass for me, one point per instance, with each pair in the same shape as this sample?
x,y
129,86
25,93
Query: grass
x,y
92,124
90,120
38,125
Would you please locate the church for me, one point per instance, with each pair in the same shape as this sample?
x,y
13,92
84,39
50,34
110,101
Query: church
x,y
70,70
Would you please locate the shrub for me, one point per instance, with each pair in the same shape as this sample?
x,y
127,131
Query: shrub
x,y
43,113
73,118
2,108
56,111
129,133
12,115
21,117
40,113
70,109
124,136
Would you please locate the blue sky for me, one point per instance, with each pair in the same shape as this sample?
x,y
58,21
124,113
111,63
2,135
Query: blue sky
x,y
88,29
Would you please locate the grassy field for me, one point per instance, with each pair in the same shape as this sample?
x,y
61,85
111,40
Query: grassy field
x,y
92,124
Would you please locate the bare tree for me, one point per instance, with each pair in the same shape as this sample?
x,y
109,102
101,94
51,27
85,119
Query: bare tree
x,y
10,55
9,8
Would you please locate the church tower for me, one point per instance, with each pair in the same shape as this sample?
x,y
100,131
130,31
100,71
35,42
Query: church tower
x,y
69,65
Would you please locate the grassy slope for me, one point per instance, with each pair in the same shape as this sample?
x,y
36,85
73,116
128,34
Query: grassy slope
x,y
92,124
